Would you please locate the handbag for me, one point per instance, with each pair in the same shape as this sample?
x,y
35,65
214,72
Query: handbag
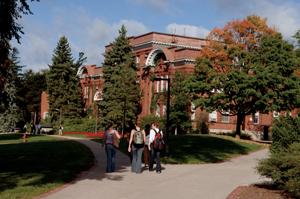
x,y
116,140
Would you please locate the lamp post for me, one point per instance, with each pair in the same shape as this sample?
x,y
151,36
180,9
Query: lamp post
x,y
167,111
60,114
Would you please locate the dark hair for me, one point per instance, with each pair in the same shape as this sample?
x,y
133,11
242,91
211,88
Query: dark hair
x,y
147,129
109,125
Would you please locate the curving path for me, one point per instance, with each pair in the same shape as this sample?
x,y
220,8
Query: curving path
x,y
205,181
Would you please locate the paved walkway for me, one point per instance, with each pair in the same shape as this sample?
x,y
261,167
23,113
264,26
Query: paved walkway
x,y
205,181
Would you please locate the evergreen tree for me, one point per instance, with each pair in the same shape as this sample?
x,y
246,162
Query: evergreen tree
x,y
10,12
121,95
65,97
11,114
180,105
297,37
29,95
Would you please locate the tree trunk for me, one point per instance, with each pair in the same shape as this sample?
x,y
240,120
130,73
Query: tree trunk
x,y
240,118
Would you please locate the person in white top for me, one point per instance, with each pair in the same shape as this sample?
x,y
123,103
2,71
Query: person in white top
x,y
155,153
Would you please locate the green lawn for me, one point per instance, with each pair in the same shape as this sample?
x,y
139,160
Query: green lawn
x,y
41,164
197,149
194,149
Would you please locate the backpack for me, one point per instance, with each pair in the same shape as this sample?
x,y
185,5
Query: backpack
x,y
158,143
138,137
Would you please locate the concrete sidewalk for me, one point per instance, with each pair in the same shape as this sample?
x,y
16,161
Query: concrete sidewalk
x,y
205,181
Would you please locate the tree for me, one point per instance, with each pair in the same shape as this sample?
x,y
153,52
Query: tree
x,y
121,94
10,12
10,112
297,37
246,67
63,86
180,105
29,95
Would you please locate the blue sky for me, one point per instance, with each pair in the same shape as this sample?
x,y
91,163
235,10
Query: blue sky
x,y
91,24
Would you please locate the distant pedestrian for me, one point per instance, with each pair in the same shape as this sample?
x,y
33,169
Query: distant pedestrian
x,y
110,138
146,147
136,146
60,130
155,135
25,134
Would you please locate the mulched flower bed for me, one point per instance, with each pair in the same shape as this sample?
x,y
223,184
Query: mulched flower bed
x,y
258,192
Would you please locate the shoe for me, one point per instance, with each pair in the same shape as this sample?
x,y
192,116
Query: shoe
x,y
158,172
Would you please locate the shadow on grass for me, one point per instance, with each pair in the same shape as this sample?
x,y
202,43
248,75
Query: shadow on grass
x,y
204,149
46,162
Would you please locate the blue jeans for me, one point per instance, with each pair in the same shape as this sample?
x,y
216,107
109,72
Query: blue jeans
x,y
136,164
110,156
155,155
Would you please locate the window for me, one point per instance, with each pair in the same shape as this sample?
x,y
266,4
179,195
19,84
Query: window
x,y
225,117
288,113
162,85
46,114
212,117
86,92
137,59
255,118
157,111
275,114
164,109
193,111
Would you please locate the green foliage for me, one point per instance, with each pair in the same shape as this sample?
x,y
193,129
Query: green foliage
x,y
149,119
283,167
10,12
10,113
180,105
121,92
29,94
297,37
285,131
259,80
63,85
80,125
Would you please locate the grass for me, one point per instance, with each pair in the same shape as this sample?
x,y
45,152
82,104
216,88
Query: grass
x,y
41,164
198,149
195,149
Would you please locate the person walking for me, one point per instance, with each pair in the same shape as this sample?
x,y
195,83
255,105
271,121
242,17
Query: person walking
x,y
60,130
136,146
110,137
155,136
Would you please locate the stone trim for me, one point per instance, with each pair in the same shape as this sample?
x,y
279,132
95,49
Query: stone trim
x,y
166,44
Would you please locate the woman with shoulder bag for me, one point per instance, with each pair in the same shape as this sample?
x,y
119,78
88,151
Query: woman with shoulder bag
x,y
110,137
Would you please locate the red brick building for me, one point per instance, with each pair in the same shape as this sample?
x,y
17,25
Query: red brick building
x,y
162,55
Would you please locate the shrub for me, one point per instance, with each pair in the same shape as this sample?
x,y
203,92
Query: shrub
x,y
149,119
82,124
283,165
285,131
284,168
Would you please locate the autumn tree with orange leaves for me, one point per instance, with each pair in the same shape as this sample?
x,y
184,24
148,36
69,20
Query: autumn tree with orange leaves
x,y
246,67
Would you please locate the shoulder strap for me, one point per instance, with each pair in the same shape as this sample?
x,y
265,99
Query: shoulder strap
x,y
154,131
